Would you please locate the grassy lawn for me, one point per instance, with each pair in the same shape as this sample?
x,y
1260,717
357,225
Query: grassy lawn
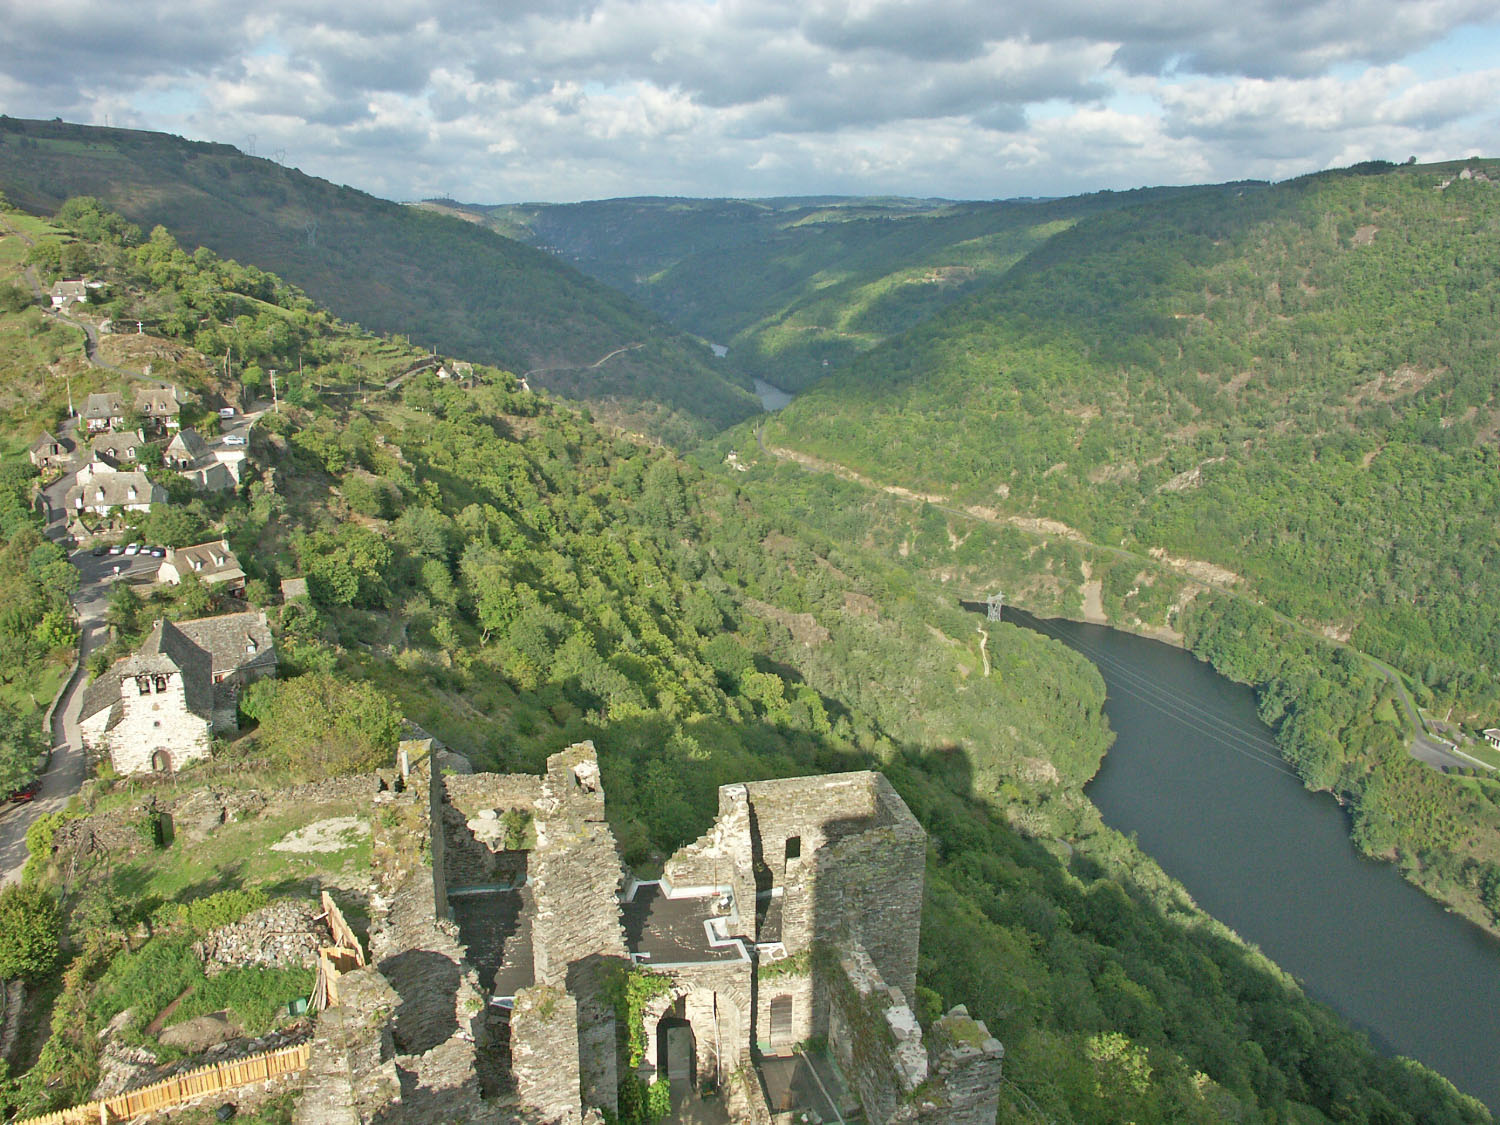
x,y
37,689
1483,751
239,855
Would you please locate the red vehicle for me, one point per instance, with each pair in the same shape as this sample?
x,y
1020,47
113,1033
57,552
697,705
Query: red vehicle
x,y
28,791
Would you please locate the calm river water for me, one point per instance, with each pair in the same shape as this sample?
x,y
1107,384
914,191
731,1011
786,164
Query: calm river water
x,y
1195,775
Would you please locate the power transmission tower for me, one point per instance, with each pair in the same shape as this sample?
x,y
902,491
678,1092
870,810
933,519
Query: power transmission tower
x,y
993,605
312,233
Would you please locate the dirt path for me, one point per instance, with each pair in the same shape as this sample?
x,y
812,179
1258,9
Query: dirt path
x,y
586,366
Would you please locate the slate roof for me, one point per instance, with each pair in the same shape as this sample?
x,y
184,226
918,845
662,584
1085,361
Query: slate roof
x,y
104,406
211,562
188,444
114,445
158,402
45,443
115,489
198,650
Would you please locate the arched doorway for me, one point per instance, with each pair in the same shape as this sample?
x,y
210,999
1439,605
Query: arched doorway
x,y
161,761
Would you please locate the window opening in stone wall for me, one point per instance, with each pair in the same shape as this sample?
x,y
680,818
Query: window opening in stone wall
x,y
793,847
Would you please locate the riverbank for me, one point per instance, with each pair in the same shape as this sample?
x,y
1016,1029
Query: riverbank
x,y
1274,862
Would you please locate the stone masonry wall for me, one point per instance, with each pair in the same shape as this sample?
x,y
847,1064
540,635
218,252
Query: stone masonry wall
x,y
156,721
544,1053
724,855
965,1064
807,1018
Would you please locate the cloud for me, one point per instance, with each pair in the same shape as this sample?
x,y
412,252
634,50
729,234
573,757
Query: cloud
x,y
565,99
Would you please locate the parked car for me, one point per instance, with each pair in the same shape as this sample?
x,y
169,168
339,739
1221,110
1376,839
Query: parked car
x,y
234,439
100,551
133,549
226,412
28,791
158,552
116,549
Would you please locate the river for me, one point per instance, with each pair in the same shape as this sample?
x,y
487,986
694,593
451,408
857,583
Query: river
x,y
1195,775
771,398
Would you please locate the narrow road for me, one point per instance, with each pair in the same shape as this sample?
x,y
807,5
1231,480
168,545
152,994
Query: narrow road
x,y
1431,751
587,366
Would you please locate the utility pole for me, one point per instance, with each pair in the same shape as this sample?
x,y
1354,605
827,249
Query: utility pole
x,y
993,605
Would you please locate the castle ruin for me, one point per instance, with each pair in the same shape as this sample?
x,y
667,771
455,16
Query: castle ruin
x,y
520,974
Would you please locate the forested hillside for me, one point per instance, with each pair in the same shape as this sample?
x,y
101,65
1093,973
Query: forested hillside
x,y
796,287
1297,384
447,284
486,561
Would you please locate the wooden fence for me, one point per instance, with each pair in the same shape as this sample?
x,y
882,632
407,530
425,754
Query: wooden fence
x,y
203,1082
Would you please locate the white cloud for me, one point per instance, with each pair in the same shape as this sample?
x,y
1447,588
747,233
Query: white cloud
x,y
566,99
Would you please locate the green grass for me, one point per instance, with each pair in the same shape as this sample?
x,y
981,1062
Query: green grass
x,y
36,689
1484,752
240,855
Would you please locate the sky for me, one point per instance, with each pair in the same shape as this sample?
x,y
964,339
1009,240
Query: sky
x,y
495,101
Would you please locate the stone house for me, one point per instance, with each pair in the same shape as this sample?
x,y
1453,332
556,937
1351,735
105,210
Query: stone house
x,y
214,564
795,916
160,406
100,487
66,294
157,709
212,469
104,411
1492,736
50,452
119,446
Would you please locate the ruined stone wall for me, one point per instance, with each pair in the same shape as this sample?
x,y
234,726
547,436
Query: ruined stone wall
x,y
544,1053
723,856
577,937
351,1076
859,868
952,1080
718,1000
808,1010
472,793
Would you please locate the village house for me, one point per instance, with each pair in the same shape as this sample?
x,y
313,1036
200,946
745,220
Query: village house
x,y
50,452
66,294
100,487
160,406
209,468
1492,736
104,411
213,563
157,709
119,446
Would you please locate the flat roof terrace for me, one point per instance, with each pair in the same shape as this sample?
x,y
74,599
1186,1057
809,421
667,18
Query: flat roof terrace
x,y
662,931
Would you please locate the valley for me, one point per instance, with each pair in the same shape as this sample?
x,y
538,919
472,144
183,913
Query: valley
x,y
479,542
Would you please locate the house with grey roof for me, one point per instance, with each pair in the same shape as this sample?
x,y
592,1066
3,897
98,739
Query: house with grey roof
x,y
66,294
213,563
119,446
50,452
157,709
100,487
160,406
213,469
104,411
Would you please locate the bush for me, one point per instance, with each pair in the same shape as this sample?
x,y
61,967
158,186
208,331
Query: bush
x,y
29,925
212,911
322,726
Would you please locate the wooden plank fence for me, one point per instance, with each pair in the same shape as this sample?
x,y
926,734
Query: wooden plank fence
x,y
203,1082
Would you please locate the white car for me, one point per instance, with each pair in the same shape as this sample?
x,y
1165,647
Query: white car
x,y
133,549
226,412
234,439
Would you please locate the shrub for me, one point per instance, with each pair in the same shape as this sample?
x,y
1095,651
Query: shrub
x,y
29,925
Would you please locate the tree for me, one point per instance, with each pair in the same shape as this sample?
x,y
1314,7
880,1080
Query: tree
x,y
321,726
21,744
29,925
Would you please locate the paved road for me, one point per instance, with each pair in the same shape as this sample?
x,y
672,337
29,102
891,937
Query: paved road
x,y
67,767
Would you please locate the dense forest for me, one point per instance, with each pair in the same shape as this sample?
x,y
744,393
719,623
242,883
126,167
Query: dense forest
x,y
795,287
444,283
489,562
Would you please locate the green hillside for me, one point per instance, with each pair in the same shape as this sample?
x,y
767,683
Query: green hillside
x,y
1297,384
447,284
514,578
796,287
